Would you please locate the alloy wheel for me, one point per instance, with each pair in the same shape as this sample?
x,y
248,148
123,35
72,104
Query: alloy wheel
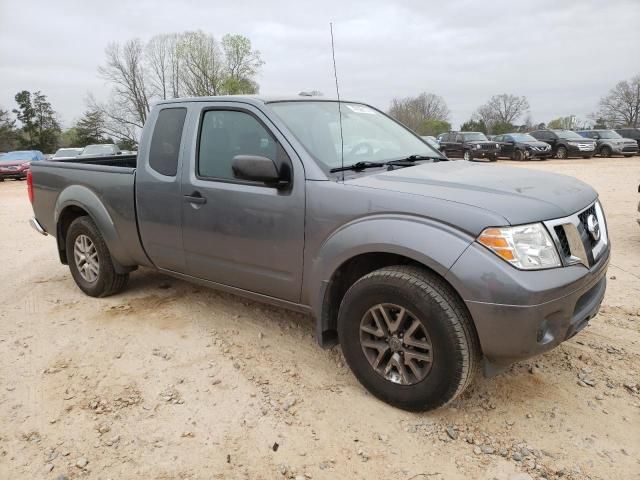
x,y
86,258
562,152
396,344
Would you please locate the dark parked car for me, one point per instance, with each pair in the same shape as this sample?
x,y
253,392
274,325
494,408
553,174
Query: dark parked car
x,y
419,267
566,143
633,133
100,150
16,164
469,145
609,143
522,146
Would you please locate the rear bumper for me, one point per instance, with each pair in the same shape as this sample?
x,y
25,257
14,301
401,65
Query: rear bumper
x,y
35,224
545,307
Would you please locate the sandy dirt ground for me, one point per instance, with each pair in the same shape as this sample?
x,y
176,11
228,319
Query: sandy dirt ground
x,y
171,380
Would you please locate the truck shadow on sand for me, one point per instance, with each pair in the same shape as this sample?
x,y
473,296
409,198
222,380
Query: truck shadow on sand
x,y
170,303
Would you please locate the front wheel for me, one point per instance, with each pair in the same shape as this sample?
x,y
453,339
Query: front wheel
x,y
408,338
518,156
467,156
561,153
605,152
90,261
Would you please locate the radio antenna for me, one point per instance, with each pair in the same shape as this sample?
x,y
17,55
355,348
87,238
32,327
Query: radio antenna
x,y
335,74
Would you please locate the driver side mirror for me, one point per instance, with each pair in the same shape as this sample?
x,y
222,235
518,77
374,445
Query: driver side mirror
x,y
257,168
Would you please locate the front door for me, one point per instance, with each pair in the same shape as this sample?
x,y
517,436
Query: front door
x,y
239,233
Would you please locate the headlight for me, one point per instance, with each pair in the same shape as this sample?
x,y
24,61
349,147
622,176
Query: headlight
x,y
497,145
528,247
478,146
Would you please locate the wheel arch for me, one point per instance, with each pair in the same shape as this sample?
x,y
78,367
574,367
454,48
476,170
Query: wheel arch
x,y
361,248
76,201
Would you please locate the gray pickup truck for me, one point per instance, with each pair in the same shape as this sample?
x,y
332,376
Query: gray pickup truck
x,y
422,269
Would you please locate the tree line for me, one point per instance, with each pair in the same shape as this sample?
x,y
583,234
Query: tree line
x,y
187,64
428,114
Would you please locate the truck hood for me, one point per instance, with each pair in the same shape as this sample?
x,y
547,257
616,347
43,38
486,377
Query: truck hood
x,y
517,194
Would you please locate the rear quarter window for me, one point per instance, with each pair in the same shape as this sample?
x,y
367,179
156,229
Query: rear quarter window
x,y
165,142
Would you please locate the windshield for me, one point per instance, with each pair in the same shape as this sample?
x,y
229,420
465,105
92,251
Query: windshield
x,y
523,137
369,136
569,135
473,136
609,134
98,150
21,155
67,152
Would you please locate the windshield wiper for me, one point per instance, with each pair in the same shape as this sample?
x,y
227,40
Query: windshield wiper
x,y
412,159
357,166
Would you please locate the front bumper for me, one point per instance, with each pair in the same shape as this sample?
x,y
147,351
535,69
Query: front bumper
x,y
581,151
520,314
539,153
625,149
13,174
481,153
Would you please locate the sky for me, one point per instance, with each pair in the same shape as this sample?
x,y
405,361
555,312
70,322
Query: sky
x,y
563,55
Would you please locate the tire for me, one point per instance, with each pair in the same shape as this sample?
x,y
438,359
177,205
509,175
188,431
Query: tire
x,y
453,343
605,152
627,156
586,156
107,281
518,156
467,156
493,158
561,153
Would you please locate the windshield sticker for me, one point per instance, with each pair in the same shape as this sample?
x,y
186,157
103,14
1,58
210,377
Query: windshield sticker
x,y
361,109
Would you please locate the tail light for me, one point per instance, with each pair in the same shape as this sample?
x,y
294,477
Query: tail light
x,y
30,185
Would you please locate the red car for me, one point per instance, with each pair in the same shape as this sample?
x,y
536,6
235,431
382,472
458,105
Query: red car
x,y
16,164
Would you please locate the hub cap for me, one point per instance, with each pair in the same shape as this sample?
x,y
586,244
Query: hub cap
x,y
396,344
86,257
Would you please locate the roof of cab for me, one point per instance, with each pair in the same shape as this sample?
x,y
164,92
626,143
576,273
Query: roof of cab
x,y
254,99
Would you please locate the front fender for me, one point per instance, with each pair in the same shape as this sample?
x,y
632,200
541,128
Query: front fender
x,y
84,198
433,244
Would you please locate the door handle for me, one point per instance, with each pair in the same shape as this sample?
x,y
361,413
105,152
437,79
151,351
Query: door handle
x,y
195,197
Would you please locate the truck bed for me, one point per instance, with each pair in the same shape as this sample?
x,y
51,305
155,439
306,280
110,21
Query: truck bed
x,y
104,187
126,161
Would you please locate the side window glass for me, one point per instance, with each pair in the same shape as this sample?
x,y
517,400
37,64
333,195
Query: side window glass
x,y
165,142
227,133
459,139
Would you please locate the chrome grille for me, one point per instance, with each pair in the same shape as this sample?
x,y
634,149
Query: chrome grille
x,y
572,238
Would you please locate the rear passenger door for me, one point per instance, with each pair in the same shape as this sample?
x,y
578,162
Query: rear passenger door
x,y
158,188
241,233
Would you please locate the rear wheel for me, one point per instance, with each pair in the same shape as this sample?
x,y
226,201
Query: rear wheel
x,y
408,338
605,152
467,155
561,153
90,261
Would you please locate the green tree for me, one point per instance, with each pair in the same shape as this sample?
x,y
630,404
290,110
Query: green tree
x,y
414,111
90,128
562,123
127,144
499,128
472,125
40,128
69,138
433,127
8,133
